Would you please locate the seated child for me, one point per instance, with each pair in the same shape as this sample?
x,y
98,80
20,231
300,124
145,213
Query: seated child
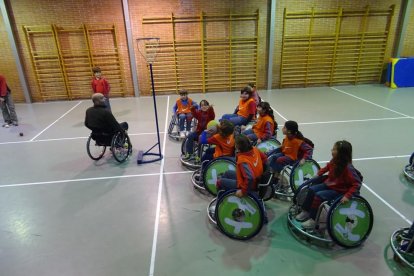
x,y
182,110
255,94
245,111
343,180
264,128
249,168
203,115
293,147
223,139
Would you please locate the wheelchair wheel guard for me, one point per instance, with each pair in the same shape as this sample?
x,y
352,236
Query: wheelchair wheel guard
x,y
400,255
214,169
268,146
239,218
351,223
301,173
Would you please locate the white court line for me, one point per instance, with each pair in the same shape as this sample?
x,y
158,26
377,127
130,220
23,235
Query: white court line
x,y
56,121
373,158
351,121
386,203
70,138
279,114
90,179
157,214
386,108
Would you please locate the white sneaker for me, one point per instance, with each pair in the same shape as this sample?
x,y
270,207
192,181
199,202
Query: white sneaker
x,y
6,125
309,224
186,133
182,134
302,216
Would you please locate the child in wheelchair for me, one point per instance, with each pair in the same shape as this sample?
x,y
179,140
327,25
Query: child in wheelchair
x,y
343,180
294,146
223,141
245,111
203,115
182,109
250,164
265,126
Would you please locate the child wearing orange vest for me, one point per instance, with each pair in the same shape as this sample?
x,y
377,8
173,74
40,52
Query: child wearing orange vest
x,y
245,111
224,141
250,164
265,126
182,109
293,147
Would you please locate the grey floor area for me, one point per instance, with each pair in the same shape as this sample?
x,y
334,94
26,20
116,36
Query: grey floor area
x,y
64,214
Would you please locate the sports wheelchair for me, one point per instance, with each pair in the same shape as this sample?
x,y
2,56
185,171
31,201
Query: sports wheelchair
x,y
198,151
174,127
119,143
409,169
345,224
402,243
205,178
241,218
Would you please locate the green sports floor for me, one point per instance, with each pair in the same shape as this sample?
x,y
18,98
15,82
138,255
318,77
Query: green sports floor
x,y
65,214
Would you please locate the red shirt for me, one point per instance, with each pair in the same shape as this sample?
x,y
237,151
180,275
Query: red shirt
x,y
347,183
203,118
100,86
3,86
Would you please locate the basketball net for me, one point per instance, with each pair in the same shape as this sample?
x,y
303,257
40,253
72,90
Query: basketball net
x,y
148,48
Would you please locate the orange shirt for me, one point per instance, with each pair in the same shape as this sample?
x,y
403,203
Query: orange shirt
x,y
259,127
246,108
181,108
290,147
224,145
249,169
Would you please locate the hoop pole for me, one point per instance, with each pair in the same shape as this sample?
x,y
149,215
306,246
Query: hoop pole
x,y
141,154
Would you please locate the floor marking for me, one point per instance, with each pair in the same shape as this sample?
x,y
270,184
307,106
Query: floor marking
x,y
386,203
373,158
56,121
90,179
70,138
157,214
279,114
386,108
351,121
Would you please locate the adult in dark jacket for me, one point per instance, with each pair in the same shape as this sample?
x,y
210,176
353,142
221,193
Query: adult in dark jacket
x,y
100,120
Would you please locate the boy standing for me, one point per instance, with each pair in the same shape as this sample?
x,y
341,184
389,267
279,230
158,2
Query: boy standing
x,y
7,104
101,85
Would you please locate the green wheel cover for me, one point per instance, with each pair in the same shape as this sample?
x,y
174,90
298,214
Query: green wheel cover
x,y
308,170
249,224
350,223
215,169
268,146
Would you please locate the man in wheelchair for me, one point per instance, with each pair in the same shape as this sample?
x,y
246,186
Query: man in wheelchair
x,y
100,120
343,180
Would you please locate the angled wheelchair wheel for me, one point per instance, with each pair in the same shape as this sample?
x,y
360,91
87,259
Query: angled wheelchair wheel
x,y
121,147
409,169
399,244
350,224
239,218
301,173
214,169
268,146
94,149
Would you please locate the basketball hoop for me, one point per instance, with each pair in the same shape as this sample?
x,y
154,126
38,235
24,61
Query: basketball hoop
x,y
148,48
